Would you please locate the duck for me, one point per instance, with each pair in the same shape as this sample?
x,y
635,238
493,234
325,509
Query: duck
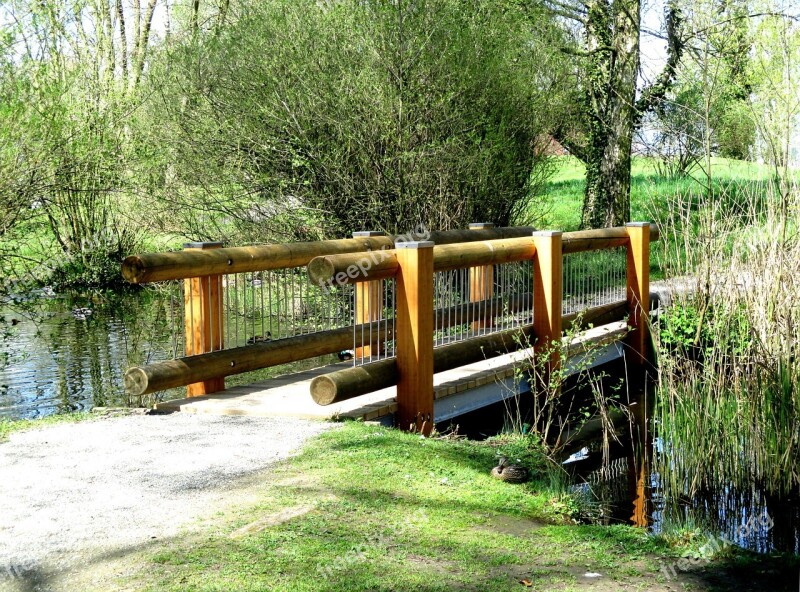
x,y
82,314
510,473
259,338
346,354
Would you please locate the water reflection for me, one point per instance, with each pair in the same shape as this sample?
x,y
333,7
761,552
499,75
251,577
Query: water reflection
x,y
630,488
56,361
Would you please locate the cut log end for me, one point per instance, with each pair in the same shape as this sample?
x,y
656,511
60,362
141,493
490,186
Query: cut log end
x,y
321,271
353,382
323,390
136,382
133,269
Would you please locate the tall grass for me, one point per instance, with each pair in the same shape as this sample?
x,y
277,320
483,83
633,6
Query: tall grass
x,y
728,406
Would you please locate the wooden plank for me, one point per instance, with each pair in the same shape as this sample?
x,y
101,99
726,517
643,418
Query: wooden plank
x,y
164,375
368,303
352,382
638,290
414,336
348,268
547,294
481,286
203,320
159,267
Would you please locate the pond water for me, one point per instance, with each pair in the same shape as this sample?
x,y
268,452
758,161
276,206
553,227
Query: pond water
x,y
744,515
69,353
60,354
632,489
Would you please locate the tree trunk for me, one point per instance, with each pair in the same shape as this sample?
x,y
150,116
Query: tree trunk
x,y
612,41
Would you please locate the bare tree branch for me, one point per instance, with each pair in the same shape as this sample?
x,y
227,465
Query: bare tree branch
x,y
655,92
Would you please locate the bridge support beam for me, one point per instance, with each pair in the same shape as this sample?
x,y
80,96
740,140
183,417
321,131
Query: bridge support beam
x,y
548,278
638,291
203,320
369,305
414,336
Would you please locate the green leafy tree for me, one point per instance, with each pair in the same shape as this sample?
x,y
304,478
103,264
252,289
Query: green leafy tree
x,y
310,119
776,105
707,112
607,45
733,43
71,75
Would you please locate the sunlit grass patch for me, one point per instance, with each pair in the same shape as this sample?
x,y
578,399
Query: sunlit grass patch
x,y
9,426
367,508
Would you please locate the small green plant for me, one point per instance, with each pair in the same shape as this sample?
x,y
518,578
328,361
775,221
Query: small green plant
x,y
698,330
557,374
680,327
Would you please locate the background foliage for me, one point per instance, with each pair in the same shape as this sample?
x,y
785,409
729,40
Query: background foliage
x,y
308,120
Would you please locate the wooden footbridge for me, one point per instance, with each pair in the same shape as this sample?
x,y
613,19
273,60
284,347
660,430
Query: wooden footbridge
x,y
428,326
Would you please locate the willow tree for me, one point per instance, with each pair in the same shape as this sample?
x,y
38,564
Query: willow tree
x,y
610,108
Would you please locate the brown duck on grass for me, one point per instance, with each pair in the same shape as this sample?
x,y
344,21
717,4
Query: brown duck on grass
x,y
510,473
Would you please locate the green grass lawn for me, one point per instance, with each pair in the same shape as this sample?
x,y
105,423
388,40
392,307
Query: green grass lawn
x,y
365,508
649,190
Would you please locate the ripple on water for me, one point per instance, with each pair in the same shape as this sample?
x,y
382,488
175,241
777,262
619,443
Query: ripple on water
x,y
57,363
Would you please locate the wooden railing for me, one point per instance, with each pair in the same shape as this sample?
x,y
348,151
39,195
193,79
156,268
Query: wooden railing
x,y
412,265
202,267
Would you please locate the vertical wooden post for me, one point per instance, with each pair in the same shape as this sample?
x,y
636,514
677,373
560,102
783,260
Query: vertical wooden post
x,y
638,290
414,336
203,316
547,294
481,285
369,304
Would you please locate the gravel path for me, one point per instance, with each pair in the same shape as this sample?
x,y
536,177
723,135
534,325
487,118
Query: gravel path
x,y
74,495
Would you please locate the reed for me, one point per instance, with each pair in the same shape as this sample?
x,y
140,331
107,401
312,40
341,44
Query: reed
x,y
728,403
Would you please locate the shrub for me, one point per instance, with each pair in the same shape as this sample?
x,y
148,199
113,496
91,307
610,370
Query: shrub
x,y
312,118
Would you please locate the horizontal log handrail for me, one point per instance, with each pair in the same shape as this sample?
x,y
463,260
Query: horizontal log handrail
x,y
168,374
161,267
348,383
346,268
359,380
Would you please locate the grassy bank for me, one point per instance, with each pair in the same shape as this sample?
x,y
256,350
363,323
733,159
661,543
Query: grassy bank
x,y
9,426
365,508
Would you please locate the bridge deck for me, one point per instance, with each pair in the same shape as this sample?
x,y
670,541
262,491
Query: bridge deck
x,y
456,391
